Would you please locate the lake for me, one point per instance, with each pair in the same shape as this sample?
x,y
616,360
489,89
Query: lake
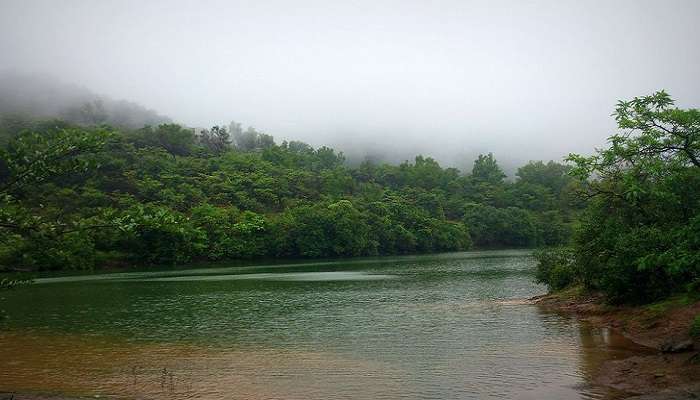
x,y
449,326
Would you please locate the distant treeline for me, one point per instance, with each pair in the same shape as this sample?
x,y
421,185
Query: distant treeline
x,y
80,197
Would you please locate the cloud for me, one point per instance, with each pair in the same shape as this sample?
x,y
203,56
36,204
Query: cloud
x,y
526,80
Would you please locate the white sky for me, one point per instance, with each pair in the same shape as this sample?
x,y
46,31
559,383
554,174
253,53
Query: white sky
x,y
524,79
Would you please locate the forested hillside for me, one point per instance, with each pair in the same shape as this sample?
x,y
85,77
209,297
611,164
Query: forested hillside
x,y
86,196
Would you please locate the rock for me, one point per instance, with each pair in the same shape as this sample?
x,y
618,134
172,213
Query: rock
x,y
677,347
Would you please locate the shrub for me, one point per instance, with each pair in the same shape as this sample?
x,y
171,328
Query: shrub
x,y
556,268
70,251
163,236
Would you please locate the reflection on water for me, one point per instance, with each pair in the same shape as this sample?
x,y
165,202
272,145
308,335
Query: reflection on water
x,y
280,276
450,326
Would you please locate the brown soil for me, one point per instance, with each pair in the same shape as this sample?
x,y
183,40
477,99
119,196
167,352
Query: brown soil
x,y
672,373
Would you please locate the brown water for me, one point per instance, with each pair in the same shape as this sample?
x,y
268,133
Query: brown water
x,y
453,326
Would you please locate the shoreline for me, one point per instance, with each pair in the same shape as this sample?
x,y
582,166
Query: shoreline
x,y
671,372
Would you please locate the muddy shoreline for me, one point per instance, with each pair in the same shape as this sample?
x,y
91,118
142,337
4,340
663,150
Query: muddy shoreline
x,y
672,371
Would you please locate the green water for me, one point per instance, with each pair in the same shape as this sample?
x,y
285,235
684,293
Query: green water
x,y
451,326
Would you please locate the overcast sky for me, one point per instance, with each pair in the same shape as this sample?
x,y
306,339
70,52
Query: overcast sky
x,y
524,79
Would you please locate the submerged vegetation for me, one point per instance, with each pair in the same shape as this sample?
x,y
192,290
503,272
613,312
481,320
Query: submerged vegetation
x,y
81,196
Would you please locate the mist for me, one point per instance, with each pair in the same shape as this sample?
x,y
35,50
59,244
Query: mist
x,y
46,97
385,79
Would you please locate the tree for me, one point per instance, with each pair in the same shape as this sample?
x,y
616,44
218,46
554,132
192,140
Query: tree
x,y
500,227
486,169
551,175
639,239
160,235
81,197
349,232
299,147
216,141
234,128
657,140
88,113
251,139
34,157
29,160
175,139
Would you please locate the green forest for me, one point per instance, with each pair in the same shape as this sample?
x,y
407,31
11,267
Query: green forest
x,y
85,195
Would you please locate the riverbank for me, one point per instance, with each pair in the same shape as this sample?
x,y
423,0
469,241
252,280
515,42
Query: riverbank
x,y
672,372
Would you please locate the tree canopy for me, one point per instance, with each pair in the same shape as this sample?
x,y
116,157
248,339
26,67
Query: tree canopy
x,y
82,197
638,239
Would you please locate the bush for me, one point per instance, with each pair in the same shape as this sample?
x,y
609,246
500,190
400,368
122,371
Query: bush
x,y
636,263
556,268
500,227
163,236
74,251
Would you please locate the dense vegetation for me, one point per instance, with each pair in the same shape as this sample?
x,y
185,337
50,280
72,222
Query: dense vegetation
x,y
81,196
638,239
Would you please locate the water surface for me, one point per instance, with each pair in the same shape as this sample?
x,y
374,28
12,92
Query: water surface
x,y
452,326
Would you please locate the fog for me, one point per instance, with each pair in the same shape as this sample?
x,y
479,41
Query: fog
x,y
449,79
